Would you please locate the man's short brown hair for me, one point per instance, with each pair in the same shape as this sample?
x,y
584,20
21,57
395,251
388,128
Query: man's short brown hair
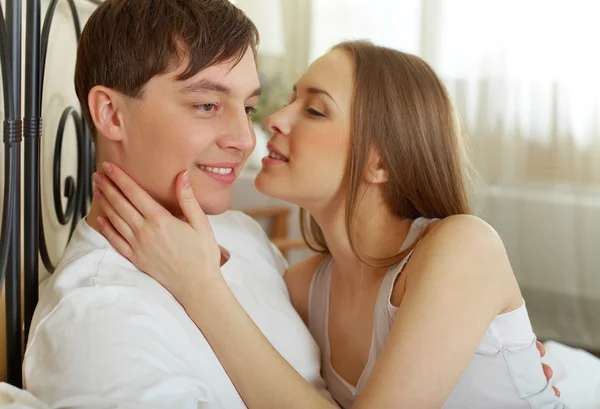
x,y
127,42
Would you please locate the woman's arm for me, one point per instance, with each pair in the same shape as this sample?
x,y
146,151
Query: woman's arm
x,y
263,378
458,280
452,294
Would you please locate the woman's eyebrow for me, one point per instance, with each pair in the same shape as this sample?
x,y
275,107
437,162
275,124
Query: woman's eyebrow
x,y
313,91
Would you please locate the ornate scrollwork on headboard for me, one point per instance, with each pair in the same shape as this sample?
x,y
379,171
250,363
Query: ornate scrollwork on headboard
x,y
78,190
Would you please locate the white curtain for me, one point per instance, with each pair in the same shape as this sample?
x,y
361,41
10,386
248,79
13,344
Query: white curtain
x,y
523,73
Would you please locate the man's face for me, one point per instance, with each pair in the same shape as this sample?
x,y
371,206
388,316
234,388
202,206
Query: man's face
x,y
202,125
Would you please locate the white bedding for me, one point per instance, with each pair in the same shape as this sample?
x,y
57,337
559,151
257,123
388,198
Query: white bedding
x,y
576,374
15,398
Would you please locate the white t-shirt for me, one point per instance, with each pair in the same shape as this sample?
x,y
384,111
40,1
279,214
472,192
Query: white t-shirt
x,y
106,335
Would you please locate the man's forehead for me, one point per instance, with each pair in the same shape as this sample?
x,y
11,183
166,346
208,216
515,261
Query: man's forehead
x,y
228,77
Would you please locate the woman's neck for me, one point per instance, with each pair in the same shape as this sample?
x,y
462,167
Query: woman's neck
x,y
379,235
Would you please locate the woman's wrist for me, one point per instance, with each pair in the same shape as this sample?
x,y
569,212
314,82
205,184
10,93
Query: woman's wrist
x,y
207,288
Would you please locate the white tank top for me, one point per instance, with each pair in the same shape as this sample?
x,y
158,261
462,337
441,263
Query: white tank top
x,y
505,372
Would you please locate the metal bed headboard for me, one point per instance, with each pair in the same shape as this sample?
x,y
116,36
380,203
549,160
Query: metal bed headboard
x,y
27,127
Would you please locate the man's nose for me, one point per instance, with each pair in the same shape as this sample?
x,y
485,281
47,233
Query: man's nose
x,y
239,133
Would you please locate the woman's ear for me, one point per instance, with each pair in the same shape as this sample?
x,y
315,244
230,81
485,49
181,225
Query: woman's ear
x,y
375,172
104,105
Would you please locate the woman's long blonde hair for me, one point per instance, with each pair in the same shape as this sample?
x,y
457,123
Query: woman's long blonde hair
x,y
402,109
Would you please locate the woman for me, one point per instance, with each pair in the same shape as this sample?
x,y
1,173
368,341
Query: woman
x,y
412,301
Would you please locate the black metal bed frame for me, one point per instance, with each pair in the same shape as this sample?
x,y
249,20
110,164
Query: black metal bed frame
x,y
27,126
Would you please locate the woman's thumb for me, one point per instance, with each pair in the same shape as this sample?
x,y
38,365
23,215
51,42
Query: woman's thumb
x,y
187,200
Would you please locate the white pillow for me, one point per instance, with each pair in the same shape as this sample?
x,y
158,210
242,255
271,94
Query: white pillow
x,y
576,375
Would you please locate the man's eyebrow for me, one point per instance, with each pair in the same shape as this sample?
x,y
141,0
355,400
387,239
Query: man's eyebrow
x,y
205,85
255,93
314,91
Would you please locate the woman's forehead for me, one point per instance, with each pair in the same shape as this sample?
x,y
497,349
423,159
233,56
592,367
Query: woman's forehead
x,y
332,72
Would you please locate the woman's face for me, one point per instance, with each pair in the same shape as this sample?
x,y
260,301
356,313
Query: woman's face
x,y
310,139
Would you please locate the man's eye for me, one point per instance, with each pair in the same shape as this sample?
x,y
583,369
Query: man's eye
x,y
207,107
250,111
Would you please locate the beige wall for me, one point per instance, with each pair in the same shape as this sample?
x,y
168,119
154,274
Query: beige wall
x,y
58,94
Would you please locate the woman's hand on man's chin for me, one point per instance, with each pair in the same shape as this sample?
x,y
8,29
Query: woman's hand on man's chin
x,y
182,255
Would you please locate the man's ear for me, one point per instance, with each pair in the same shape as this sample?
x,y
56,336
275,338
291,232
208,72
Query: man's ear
x,y
375,172
105,109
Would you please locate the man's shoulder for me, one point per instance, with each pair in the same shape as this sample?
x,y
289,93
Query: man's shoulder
x,y
87,307
104,333
103,320
103,342
94,270
88,260
92,277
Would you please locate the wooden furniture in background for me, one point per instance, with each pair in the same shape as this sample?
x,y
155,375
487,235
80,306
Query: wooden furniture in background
x,y
278,227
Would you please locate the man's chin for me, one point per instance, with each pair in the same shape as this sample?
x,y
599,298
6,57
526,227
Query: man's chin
x,y
216,207
209,208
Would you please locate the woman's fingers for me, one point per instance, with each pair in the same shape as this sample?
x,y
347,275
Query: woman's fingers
x,y
540,348
116,221
119,204
137,196
546,368
113,236
188,203
547,371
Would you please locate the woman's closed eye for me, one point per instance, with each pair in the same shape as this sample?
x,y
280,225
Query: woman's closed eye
x,y
314,112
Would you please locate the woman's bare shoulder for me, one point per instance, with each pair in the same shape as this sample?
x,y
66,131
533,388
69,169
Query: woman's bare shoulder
x,y
462,247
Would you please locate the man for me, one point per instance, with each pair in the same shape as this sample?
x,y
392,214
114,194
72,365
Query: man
x,y
164,86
